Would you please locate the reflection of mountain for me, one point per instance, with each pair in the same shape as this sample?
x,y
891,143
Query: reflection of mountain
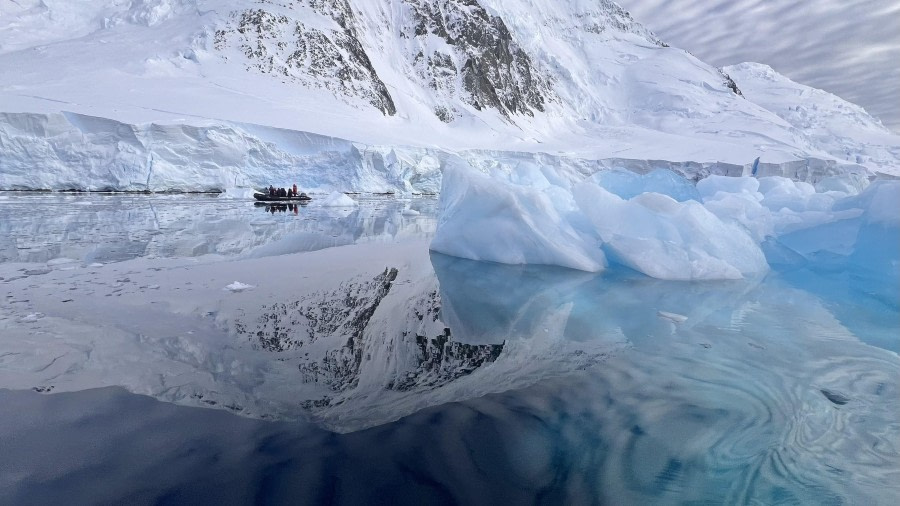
x,y
347,311
363,335
761,393
354,347
382,347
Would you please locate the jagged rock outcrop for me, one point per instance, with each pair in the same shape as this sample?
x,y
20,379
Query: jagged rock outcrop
x,y
275,40
316,43
481,63
729,82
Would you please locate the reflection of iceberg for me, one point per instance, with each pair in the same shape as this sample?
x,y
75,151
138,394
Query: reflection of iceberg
x,y
486,302
490,302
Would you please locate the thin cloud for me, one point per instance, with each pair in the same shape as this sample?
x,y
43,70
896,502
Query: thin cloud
x,y
849,48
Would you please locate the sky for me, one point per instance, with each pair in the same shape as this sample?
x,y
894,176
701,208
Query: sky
x,y
848,47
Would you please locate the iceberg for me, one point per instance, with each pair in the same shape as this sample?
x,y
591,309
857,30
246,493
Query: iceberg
x,y
338,199
489,219
662,225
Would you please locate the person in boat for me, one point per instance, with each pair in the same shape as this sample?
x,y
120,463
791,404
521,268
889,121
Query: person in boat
x,y
295,189
271,191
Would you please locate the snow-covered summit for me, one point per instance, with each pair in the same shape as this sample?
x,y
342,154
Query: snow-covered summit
x,y
843,129
576,79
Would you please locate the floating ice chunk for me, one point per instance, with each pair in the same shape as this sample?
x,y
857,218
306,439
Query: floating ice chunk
x,y
484,218
237,286
338,199
742,225
673,317
95,264
60,261
237,193
410,212
627,184
31,317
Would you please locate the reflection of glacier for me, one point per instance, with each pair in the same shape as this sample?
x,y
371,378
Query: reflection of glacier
x,y
110,228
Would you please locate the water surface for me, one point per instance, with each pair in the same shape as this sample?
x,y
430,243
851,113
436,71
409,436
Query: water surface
x,y
508,385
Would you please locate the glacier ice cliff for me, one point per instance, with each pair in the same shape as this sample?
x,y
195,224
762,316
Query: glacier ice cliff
x,y
69,151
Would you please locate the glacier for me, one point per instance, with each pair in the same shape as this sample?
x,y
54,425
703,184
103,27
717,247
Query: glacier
x,y
69,151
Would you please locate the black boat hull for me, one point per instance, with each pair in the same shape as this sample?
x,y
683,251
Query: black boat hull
x,y
262,197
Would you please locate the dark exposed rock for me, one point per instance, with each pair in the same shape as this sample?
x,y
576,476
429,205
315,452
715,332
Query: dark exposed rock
x,y
496,73
320,58
606,14
729,82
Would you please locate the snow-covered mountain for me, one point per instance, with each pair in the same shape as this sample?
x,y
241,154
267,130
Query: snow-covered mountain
x,y
202,94
844,130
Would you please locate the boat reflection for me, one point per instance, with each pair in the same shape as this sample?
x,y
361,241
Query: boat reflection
x,y
273,208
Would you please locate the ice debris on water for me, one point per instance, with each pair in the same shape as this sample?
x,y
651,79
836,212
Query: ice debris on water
x,y
338,199
61,261
673,317
237,286
31,317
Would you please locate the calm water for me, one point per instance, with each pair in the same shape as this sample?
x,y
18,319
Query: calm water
x,y
550,386
37,227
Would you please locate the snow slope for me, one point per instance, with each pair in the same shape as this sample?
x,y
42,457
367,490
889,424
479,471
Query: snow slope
x,y
841,128
233,88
